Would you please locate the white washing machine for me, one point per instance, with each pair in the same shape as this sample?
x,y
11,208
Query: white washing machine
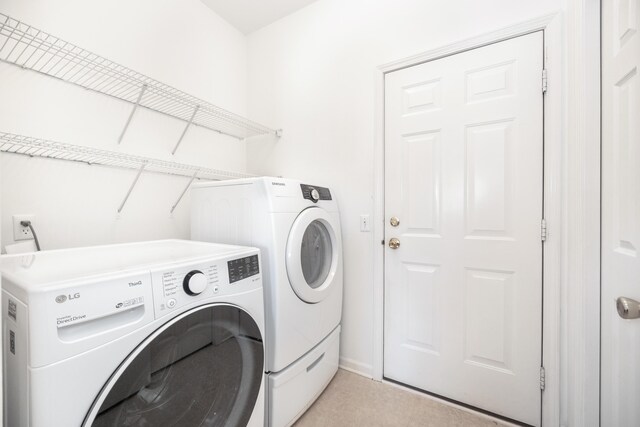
x,y
154,333
297,228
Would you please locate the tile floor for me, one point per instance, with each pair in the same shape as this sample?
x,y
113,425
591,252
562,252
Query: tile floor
x,y
351,400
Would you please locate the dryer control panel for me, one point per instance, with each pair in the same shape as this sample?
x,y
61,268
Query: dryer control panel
x,y
315,193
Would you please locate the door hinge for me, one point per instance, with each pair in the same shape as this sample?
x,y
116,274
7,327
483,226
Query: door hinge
x,y
542,377
543,230
544,81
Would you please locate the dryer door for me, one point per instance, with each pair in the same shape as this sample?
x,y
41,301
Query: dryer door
x,y
202,368
313,250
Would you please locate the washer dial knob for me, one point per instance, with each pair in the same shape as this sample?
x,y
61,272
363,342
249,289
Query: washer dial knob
x,y
194,283
315,196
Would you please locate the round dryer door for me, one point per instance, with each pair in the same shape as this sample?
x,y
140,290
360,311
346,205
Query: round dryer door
x,y
312,254
202,368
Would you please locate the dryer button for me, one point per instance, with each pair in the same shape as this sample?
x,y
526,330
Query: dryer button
x,y
171,303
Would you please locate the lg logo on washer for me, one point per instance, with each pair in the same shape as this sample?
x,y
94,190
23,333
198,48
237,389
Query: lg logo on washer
x,y
62,298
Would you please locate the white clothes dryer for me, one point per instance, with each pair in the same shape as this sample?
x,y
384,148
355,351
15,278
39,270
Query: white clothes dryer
x,y
297,228
154,333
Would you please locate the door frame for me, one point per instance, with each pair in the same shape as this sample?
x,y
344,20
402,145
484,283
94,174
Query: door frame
x,y
554,135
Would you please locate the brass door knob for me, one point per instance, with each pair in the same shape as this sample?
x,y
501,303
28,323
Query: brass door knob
x,y
394,243
394,221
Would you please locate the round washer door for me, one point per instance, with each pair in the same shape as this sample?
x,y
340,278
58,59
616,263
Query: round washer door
x,y
202,368
312,254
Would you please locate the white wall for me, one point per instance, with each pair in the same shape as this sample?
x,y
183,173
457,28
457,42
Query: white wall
x,y
312,73
180,42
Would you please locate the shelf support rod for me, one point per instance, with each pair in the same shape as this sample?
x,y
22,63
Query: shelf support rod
x,y
133,184
184,132
184,191
133,110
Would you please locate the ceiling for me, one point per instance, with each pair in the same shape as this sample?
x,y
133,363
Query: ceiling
x,y
250,15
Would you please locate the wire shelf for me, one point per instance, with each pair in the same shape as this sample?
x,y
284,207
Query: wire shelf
x,y
34,147
28,47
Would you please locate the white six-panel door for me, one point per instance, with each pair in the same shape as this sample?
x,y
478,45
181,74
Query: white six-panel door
x,y
620,372
464,177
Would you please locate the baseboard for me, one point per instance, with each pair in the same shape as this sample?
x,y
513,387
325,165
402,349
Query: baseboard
x,y
356,367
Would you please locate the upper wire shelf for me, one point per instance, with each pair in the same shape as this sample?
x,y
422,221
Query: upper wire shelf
x,y
28,47
35,147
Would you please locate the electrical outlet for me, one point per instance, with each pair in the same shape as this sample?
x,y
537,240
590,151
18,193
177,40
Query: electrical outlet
x,y
21,232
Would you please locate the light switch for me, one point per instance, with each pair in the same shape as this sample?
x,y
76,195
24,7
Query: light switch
x,y
365,225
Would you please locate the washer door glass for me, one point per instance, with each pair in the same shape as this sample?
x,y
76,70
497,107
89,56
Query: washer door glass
x,y
203,368
316,254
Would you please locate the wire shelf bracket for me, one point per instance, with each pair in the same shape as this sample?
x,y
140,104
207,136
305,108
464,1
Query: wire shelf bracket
x,y
30,48
183,192
133,110
35,147
133,184
184,132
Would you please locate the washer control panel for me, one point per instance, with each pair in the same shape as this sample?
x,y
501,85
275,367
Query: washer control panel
x,y
198,282
242,268
183,285
178,281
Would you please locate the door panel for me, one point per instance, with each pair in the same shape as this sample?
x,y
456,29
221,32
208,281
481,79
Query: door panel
x,y
620,211
463,174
